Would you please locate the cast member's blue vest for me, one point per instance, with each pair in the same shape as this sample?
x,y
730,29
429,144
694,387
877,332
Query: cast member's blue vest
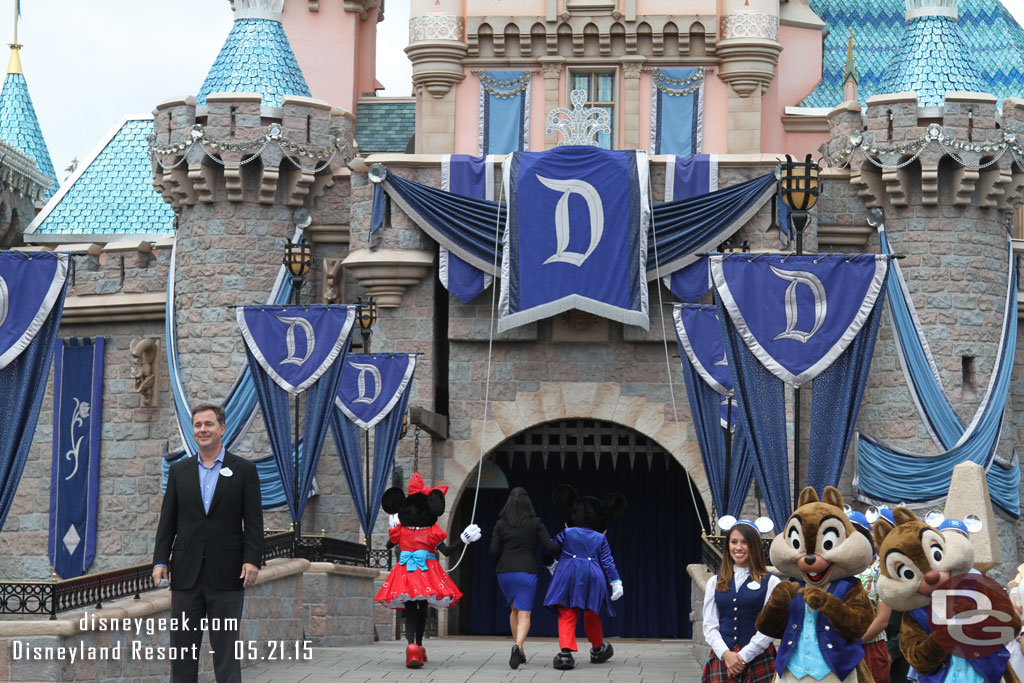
x,y
990,667
738,610
841,655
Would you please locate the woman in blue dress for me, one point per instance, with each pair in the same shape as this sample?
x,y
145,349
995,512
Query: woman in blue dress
x,y
514,547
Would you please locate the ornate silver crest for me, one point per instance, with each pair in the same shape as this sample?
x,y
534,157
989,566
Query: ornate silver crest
x,y
578,126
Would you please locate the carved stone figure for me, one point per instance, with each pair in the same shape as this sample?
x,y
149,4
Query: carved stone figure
x,y
145,370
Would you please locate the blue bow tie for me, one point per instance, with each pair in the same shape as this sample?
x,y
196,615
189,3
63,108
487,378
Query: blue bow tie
x,y
416,560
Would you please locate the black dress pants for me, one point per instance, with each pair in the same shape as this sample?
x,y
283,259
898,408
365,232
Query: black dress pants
x,y
223,612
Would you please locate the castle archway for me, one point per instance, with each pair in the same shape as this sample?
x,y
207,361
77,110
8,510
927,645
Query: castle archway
x,y
652,544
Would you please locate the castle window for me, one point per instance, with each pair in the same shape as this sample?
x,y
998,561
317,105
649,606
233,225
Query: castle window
x,y
600,88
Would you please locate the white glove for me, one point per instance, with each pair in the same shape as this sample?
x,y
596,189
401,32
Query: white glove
x,y
393,521
616,590
551,567
470,534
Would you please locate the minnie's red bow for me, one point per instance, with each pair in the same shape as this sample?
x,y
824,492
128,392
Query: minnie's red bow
x,y
416,485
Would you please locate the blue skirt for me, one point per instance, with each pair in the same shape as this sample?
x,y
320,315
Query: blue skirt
x,y
519,588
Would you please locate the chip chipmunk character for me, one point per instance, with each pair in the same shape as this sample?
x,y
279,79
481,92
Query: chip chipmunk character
x,y
924,565
821,615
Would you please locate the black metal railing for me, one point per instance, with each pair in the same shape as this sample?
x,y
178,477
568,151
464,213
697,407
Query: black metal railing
x,y
53,597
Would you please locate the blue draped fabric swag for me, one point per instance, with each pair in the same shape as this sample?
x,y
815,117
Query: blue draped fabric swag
x,y
680,229
710,391
470,177
373,396
886,474
547,267
240,406
504,111
687,177
677,110
32,289
75,467
792,320
296,350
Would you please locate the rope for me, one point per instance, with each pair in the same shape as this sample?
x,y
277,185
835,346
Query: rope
x,y
668,360
487,383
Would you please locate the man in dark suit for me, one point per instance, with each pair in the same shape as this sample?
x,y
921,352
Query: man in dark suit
x,y
212,519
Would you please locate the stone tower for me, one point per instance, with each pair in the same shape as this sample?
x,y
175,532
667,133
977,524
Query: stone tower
x,y
941,164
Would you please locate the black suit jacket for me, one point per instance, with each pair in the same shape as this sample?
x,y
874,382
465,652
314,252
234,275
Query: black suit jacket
x,y
232,532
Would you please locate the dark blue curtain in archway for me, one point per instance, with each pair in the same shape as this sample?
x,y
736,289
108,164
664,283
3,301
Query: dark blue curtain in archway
x,y
652,543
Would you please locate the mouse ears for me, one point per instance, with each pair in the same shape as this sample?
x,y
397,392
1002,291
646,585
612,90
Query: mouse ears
x,y
762,525
614,505
968,525
564,497
392,500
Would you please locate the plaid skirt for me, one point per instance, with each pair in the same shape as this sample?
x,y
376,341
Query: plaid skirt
x,y
761,670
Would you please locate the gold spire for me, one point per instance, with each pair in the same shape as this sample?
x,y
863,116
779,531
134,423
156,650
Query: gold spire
x,y
14,66
851,61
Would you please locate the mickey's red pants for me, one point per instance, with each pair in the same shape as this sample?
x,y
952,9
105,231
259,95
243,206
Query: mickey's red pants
x,y
567,628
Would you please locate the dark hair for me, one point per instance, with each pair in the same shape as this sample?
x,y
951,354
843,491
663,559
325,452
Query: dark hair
x,y
518,509
217,410
755,551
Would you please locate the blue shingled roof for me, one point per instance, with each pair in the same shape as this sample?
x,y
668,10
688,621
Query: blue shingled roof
x,y
385,126
993,39
111,194
932,60
19,126
256,57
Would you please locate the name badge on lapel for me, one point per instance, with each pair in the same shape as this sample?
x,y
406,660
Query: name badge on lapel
x,y
226,472
752,585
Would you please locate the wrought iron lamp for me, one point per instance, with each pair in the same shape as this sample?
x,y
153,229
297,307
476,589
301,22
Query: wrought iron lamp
x,y
366,316
298,259
798,185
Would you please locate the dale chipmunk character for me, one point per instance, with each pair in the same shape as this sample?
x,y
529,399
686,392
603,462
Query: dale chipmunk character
x,y
418,580
821,616
916,560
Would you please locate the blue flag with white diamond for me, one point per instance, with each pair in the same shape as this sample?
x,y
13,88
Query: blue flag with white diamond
x,y
797,314
75,471
295,345
372,384
575,236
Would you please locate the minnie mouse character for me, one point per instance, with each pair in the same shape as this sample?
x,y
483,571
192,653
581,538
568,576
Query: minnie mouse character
x,y
419,581
584,571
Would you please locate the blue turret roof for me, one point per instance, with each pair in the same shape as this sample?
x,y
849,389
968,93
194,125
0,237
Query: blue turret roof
x,y
111,193
994,41
19,126
256,57
932,60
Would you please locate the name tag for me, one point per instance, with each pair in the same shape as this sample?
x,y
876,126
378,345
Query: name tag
x,y
753,585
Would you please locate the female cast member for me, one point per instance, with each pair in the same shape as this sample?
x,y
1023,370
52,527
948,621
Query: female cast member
x,y
732,601
514,546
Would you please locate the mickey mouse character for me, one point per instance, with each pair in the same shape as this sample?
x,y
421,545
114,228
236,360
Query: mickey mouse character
x,y
418,581
583,572
822,615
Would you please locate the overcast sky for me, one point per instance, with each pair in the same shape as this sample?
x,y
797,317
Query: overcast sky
x,y
91,62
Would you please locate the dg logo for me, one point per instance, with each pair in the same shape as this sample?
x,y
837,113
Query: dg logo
x,y
971,616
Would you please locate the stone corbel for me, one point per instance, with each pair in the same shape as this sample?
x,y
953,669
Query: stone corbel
x,y
385,274
965,180
897,186
992,187
437,65
870,187
268,184
203,180
1013,193
748,64
297,185
929,186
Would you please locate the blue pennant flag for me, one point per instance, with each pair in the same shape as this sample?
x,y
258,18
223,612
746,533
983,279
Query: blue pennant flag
x,y
75,473
576,235
700,335
797,314
295,344
29,287
372,384
471,177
